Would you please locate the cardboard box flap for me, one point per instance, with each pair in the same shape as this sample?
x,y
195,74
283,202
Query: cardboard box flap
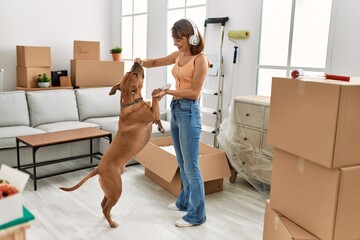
x,y
165,165
14,177
348,209
296,231
347,151
213,163
277,227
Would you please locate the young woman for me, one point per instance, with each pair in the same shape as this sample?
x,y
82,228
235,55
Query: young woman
x,y
189,71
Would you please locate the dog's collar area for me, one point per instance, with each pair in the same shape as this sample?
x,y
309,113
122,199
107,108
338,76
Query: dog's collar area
x,y
124,105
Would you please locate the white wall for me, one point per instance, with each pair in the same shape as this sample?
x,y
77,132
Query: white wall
x,y
345,54
55,23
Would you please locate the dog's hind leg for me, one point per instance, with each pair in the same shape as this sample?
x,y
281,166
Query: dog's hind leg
x,y
112,187
103,202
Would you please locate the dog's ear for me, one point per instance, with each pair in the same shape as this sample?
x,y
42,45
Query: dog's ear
x,y
118,86
114,88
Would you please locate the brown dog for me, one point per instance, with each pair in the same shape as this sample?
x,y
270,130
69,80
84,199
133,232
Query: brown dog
x,y
135,126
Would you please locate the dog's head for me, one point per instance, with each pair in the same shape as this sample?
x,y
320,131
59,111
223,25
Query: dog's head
x,y
132,82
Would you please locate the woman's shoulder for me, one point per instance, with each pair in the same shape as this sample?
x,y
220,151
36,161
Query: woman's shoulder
x,y
200,56
201,59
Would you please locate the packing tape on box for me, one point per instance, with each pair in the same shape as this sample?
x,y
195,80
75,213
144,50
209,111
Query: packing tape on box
x,y
276,222
301,88
301,165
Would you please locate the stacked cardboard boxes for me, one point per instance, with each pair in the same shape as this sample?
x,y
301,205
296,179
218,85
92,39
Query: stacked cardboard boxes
x,y
32,61
88,71
314,129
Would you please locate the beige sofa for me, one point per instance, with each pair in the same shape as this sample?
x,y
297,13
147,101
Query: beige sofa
x,y
25,113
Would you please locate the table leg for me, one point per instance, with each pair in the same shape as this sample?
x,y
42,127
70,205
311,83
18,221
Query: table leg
x,y
18,154
91,151
34,149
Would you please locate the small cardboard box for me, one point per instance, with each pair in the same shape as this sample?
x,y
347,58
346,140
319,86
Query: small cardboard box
x,y
277,227
31,56
317,120
322,200
86,73
26,76
11,207
161,166
86,50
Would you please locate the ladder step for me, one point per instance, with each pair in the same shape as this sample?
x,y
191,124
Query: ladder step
x,y
208,110
221,20
209,91
208,129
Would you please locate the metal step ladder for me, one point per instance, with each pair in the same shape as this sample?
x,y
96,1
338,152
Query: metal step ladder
x,y
216,91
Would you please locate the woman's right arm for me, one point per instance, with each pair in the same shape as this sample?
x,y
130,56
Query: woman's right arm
x,y
158,62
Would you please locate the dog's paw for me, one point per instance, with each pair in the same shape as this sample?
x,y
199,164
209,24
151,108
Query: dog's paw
x,y
114,224
161,129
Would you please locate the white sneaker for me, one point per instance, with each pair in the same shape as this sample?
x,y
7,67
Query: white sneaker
x,y
182,223
172,206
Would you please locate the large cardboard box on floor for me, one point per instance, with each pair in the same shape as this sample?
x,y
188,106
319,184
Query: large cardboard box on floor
x,y
317,120
322,200
11,206
161,166
88,73
86,50
33,56
278,227
26,76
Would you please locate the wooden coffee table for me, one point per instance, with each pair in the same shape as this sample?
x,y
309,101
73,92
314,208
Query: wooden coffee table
x,y
53,138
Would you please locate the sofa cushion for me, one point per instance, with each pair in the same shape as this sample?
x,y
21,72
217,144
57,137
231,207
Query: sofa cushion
x,y
60,126
52,106
96,102
13,109
109,124
9,134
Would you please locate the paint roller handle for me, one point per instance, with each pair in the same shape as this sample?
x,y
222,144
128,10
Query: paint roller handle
x,y
221,20
235,54
337,77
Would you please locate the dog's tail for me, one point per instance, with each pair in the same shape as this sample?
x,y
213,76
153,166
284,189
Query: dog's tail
x,y
90,175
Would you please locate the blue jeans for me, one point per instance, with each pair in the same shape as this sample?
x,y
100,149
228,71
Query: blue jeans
x,y
185,131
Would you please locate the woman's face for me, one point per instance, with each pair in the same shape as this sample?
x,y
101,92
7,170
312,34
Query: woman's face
x,y
182,44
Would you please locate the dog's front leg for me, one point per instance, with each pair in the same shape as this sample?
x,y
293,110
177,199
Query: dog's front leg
x,y
155,109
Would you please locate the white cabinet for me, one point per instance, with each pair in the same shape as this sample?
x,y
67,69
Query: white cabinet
x,y
250,154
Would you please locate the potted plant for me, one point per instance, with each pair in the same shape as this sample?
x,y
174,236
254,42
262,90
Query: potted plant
x,y
116,53
43,80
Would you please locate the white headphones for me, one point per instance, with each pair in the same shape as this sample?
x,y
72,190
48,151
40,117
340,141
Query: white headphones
x,y
194,39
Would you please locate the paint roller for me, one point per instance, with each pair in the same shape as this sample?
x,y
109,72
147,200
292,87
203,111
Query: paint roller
x,y
299,73
237,34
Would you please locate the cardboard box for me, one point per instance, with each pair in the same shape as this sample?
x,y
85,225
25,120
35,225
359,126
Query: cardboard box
x,y
322,200
31,56
278,227
86,73
26,76
317,120
161,166
11,207
86,50
65,81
